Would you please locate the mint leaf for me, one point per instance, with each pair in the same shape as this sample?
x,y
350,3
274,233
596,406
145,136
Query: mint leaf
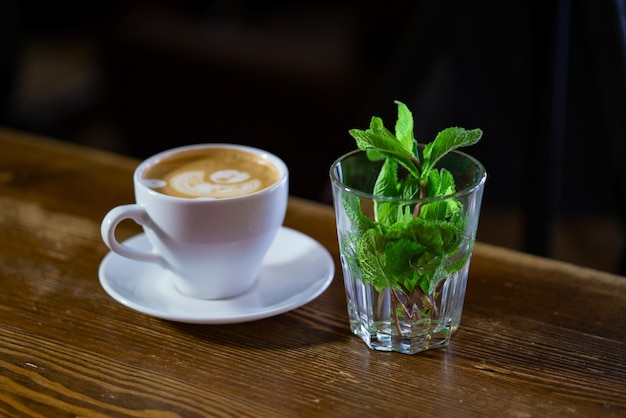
x,y
418,230
387,184
404,128
378,140
399,256
446,141
377,137
370,257
352,208
440,183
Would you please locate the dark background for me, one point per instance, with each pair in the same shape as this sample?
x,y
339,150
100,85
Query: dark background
x,y
546,81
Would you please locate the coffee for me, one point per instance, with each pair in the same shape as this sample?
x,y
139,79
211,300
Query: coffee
x,y
210,172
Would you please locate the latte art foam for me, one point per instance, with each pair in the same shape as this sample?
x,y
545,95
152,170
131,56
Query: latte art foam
x,y
211,173
223,183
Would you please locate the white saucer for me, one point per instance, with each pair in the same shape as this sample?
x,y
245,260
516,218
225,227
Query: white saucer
x,y
296,270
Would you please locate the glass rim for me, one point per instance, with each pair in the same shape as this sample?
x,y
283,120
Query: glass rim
x,y
474,186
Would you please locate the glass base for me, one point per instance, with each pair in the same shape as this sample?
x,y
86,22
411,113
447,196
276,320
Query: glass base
x,y
405,322
414,343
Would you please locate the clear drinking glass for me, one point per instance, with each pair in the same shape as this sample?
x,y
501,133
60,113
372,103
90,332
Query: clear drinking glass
x,y
420,312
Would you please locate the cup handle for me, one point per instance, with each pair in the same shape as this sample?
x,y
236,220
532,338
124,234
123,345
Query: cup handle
x,y
109,224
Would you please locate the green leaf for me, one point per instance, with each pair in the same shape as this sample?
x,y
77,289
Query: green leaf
x,y
404,127
380,140
371,259
446,141
440,183
446,183
458,263
410,188
451,236
418,230
386,185
399,255
352,209
375,155
435,278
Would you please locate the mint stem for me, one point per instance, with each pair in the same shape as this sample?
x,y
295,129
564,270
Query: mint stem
x,y
418,207
394,307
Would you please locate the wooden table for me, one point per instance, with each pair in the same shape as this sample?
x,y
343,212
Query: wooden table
x,y
538,337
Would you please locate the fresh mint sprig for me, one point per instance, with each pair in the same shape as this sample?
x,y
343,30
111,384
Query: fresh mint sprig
x,y
402,148
409,247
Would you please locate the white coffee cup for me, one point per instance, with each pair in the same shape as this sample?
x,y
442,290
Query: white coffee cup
x,y
214,246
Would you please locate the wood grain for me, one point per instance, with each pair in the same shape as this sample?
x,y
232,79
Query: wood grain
x,y
538,337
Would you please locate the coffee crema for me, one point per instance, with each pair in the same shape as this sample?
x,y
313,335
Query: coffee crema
x,y
210,172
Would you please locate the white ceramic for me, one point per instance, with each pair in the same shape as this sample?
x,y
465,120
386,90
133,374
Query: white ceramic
x,y
213,247
296,270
